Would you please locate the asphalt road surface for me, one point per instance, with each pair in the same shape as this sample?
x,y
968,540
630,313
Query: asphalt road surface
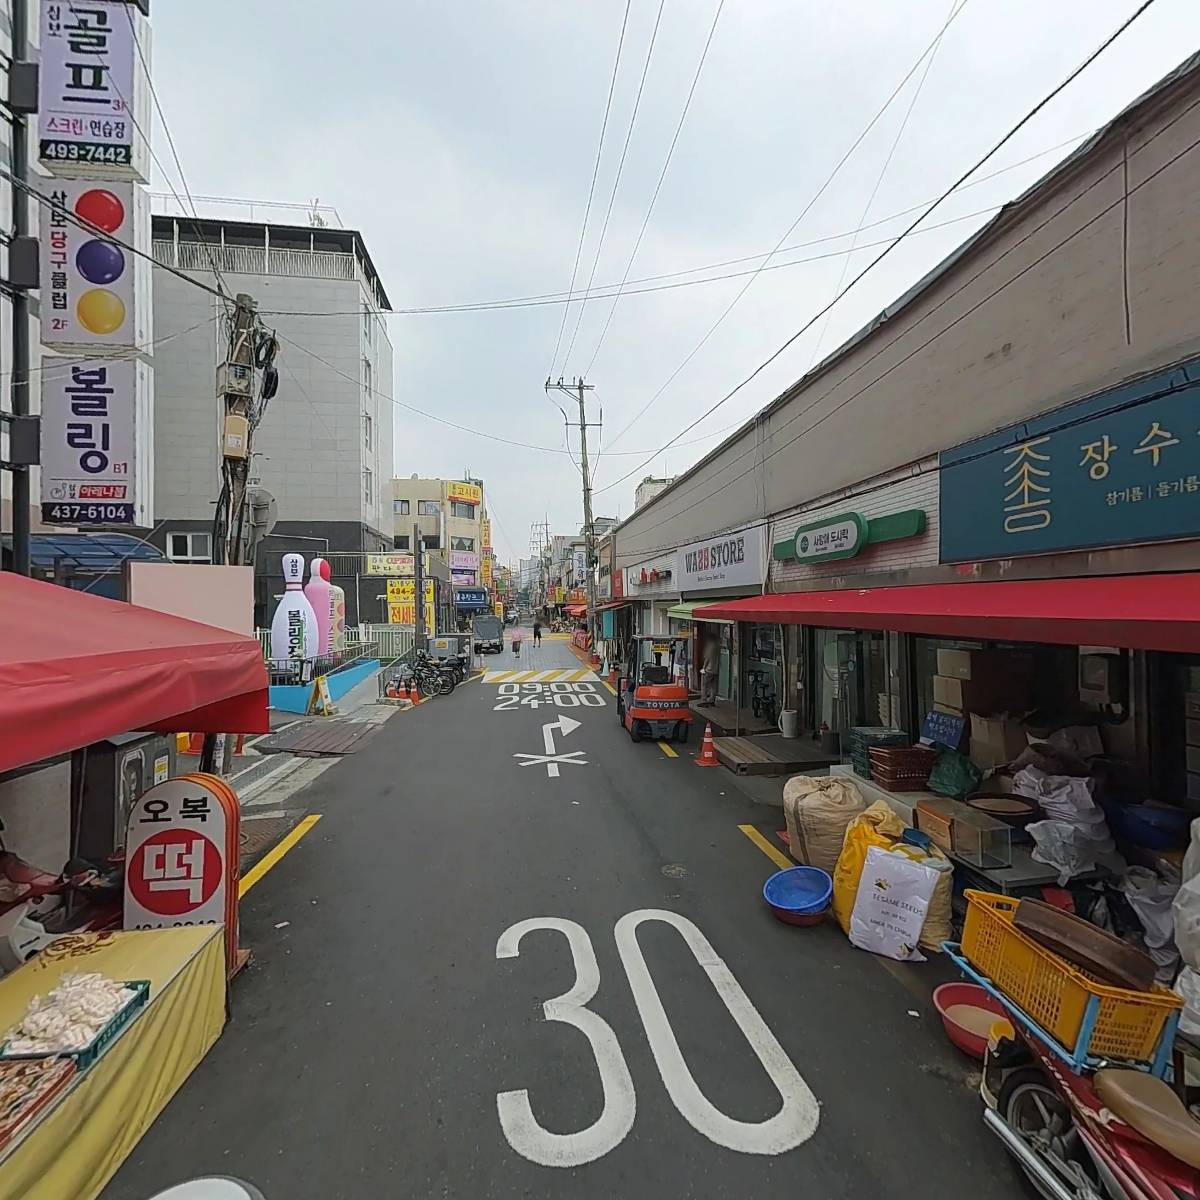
x,y
524,957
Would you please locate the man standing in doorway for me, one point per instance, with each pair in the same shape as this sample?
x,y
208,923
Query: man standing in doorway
x,y
710,665
537,631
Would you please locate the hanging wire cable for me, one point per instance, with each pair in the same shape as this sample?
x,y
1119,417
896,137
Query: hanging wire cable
x,y
887,162
637,104
788,232
687,104
1057,90
591,189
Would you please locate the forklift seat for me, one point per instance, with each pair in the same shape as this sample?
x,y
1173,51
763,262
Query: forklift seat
x,y
655,674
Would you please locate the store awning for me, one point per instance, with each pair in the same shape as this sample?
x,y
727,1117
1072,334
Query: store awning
x,y
76,668
1135,612
609,605
576,610
687,611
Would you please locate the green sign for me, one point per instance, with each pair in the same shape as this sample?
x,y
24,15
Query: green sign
x,y
846,535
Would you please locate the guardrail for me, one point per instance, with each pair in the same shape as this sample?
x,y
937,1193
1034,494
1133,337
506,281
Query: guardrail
x,y
284,671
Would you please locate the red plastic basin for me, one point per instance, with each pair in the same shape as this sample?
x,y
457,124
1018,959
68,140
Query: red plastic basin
x,y
950,994
791,918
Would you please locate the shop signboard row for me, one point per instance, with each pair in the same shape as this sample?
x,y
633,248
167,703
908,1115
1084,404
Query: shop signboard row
x,y
1118,468
723,561
847,535
394,564
472,598
464,560
95,271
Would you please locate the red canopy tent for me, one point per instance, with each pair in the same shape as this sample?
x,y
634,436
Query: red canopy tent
x,y
77,668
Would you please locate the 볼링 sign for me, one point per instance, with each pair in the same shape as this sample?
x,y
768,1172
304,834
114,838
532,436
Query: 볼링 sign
x,y
89,444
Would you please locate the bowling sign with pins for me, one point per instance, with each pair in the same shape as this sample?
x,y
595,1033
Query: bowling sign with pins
x,y
294,629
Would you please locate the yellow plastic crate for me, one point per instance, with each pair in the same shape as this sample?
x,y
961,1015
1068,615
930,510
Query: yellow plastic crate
x,y
1054,993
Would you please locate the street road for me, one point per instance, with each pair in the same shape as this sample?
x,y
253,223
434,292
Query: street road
x,y
524,957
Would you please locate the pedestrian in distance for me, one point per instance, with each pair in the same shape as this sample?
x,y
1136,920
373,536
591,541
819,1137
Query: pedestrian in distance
x,y
711,664
516,643
537,632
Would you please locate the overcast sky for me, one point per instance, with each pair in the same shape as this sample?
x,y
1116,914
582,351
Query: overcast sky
x,y
460,138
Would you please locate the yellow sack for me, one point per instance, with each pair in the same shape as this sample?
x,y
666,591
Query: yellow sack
x,y
879,826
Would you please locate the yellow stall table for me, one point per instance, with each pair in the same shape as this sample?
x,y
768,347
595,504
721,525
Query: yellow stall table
x,y
74,1146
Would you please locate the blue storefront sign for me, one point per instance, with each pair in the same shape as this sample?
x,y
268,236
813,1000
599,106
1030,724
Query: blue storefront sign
x,y
472,598
1115,469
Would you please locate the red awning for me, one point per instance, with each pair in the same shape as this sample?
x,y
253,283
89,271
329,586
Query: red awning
x,y
611,604
1136,612
77,668
576,610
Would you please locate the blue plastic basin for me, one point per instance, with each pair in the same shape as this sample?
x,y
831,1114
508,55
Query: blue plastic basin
x,y
799,889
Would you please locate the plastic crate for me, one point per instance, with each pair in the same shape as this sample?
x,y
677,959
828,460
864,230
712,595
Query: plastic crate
x,y
1089,1018
87,1056
861,738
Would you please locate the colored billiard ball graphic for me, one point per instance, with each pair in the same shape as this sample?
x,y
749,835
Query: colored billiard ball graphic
x,y
100,262
101,208
100,311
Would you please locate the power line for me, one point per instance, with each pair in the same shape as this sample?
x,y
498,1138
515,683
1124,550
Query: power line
x,y
883,170
961,317
592,187
788,232
687,104
637,104
604,291
884,253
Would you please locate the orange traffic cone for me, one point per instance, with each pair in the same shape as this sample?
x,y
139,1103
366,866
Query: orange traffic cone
x,y
414,695
195,743
708,756
612,676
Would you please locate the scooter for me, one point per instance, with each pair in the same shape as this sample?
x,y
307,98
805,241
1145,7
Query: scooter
x,y
1108,1134
37,907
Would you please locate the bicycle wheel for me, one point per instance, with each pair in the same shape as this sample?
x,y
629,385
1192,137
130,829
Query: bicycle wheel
x,y
445,683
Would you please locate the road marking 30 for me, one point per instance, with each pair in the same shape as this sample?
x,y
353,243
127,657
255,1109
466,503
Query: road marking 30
x,y
557,675
794,1123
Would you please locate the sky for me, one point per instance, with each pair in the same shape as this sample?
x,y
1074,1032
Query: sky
x,y
461,138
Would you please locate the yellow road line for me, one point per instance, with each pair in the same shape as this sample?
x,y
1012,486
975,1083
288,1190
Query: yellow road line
x,y
776,856
667,750
609,686
272,858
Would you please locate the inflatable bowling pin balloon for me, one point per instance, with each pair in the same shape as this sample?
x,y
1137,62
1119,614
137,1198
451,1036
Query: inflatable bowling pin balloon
x,y
294,626
337,610
317,591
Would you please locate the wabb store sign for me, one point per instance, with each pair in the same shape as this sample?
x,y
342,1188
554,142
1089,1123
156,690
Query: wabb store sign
x,y
736,559
94,291
90,418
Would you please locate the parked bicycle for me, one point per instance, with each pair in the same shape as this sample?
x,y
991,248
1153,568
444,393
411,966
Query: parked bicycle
x,y
429,676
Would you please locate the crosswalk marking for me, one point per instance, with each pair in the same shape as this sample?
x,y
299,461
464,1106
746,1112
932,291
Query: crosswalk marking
x,y
563,675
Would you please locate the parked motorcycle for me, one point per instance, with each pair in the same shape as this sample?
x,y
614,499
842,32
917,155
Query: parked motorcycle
x,y
1108,1134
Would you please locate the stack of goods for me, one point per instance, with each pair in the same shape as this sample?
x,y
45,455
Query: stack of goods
x,y
862,737
26,1087
72,1017
817,811
902,769
1074,837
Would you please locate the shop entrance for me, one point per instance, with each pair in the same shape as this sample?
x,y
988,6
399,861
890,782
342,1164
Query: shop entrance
x,y
856,679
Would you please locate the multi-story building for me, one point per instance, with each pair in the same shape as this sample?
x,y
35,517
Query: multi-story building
x,y
453,524
649,488
324,447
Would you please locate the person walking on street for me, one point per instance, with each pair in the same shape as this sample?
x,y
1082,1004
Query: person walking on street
x,y
537,632
710,665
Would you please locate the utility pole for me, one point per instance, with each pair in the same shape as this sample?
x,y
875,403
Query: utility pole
x,y
418,588
577,389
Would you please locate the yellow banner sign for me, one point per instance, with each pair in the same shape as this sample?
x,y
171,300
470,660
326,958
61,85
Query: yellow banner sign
x,y
406,589
402,607
466,493
500,609
485,534
560,595
485,572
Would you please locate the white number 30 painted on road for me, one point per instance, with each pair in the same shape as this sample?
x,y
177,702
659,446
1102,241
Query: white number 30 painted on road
x,y
793,1124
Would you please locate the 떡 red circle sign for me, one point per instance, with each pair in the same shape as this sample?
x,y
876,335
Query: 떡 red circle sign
x,y
175,872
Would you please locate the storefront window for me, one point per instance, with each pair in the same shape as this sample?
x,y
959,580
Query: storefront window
x,y
762,681
857,679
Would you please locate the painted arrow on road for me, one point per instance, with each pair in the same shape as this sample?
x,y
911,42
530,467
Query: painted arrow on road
x,y
551,759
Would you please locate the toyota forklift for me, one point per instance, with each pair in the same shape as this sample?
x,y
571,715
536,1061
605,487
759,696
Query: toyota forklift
x,y
650,702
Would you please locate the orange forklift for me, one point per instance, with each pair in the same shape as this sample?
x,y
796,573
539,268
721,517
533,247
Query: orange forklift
x,y
650,703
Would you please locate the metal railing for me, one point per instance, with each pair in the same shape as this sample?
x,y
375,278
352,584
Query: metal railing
x,y
293,671
256,260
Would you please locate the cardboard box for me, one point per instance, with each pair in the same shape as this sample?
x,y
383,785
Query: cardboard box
x,y
983,664
995,740
992,694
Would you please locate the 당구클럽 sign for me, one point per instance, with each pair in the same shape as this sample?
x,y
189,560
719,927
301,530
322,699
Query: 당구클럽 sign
x,y
1117,468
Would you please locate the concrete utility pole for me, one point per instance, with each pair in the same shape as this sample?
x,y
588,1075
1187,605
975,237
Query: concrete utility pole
x,y
589,533
418,588
236,383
